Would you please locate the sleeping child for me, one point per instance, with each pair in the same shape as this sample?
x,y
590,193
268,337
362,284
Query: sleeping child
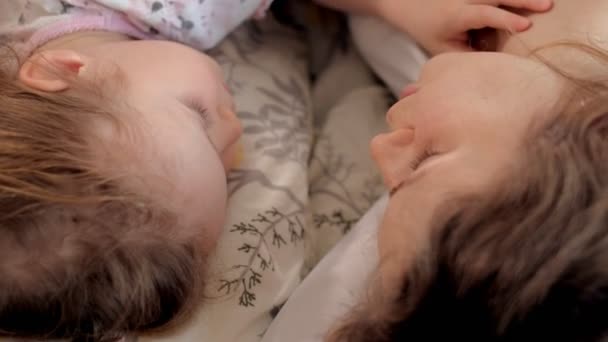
x,y
115,141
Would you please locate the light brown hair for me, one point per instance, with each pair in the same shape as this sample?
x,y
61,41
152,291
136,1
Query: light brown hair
x,y
527,262
81,256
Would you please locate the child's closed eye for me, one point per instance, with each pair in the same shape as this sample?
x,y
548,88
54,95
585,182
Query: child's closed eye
x,y
202,111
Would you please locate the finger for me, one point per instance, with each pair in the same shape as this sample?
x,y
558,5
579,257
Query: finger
x,y
457,46
531,5
458,43
481,16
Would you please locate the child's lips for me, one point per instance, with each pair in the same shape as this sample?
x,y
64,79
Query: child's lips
x,y
227,88
409,90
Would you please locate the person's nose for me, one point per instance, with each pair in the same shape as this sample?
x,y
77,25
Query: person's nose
x,y
393,153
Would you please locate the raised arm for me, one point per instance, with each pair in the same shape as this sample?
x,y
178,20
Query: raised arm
x,y
442,25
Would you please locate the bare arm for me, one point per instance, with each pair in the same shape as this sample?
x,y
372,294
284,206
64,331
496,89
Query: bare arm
x,y
442,25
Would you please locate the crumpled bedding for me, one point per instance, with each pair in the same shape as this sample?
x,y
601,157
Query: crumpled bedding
x,y
341,277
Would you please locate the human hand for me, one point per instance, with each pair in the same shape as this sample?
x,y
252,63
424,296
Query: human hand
x,y
443,25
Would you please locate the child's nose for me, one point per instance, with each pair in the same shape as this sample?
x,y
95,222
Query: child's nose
x,y
392,155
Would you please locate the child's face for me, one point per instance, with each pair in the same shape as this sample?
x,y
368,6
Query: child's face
x,y
181,127
460,129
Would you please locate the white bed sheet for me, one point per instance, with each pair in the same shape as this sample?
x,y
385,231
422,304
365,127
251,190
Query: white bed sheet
x,y
333,287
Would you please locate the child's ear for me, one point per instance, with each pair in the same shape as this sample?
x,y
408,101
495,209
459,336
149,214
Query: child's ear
x,y
50,71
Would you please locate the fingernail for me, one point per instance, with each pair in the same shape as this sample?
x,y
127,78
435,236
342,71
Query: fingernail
x,y
523,24
548,4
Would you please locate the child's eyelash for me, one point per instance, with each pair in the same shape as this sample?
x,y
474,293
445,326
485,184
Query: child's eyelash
x,y
202,111
426,154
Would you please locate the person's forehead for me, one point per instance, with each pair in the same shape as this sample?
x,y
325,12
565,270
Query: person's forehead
x,y
492,71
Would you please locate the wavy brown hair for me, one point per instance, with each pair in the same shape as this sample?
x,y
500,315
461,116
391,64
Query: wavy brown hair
x,y
526,262
82,257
